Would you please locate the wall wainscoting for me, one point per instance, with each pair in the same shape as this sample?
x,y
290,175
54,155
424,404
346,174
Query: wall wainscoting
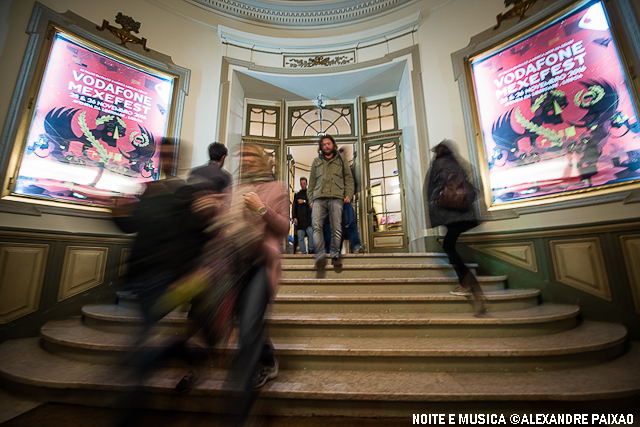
x,y
46,275
596,266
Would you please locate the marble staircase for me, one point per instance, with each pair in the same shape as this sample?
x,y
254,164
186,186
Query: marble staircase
x,y
379,337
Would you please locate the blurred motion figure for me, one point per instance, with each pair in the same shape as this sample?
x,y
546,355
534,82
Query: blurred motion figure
x,y
447,170
169,240
238,274
265,203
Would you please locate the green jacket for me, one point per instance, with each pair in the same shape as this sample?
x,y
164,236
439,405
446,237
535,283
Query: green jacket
x,y
330,178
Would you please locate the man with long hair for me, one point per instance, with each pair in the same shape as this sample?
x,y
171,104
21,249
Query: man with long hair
x,y
330,186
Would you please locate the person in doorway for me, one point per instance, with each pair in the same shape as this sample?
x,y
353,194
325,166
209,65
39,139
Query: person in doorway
x,y
349,225
301,215
213,172
330,186
457,221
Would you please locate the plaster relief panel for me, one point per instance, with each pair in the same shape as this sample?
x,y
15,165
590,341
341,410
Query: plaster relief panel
x,y
522,255
22,269
83,269
579,263
319,60
388,241
631,250
125,254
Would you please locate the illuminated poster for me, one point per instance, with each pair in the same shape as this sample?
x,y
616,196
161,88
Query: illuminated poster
x,y
555,111
96,128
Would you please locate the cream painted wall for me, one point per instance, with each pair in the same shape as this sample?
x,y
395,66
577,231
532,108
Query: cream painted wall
x,y
189,35
443,31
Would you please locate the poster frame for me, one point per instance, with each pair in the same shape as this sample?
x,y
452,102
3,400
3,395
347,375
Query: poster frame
x,y
44,24
512,35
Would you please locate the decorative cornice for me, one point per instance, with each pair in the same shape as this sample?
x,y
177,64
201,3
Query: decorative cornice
x,y
329,44
315,13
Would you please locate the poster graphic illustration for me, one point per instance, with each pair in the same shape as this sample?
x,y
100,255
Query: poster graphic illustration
x,y
96,129
555,111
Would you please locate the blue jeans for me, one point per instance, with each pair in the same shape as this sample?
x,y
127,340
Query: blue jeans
x,y
308,231
255,346
333,209
326,233
350,226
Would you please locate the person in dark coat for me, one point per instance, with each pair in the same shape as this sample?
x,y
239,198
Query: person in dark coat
x,y
301,215
169,235
212,172
169,239
457,221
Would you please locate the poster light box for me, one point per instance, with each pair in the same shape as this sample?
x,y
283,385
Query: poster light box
x,y
96,125
555,112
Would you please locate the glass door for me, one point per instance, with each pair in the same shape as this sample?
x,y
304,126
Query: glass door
x,y
291,179
385,197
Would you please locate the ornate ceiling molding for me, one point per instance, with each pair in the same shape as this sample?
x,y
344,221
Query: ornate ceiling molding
x,y
330,44
300,13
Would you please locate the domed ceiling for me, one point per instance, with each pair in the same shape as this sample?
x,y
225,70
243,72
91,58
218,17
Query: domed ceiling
x,y
300,13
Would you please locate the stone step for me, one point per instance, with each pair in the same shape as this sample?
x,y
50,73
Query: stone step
x,y
27,369
587,344
533,321
118,319
308,271
129,300
506,300
383,285
361,286
319,302
364,259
